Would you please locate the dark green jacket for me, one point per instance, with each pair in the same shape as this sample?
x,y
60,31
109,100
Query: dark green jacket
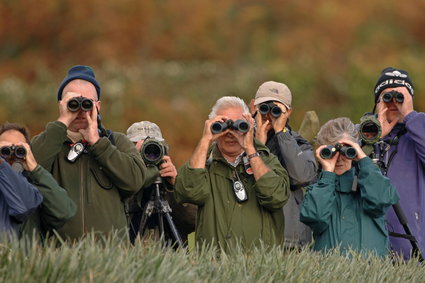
x,y
96,181
342,217
221,219
56,208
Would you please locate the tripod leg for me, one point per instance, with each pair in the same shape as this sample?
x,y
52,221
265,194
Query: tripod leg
x,y
173,228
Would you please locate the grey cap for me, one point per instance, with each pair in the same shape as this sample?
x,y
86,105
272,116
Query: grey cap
x,y
273,91
142,130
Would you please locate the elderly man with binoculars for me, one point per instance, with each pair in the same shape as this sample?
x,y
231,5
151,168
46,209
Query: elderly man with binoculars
x,y
238,185
97,167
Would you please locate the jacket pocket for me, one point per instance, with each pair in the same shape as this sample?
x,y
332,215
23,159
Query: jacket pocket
x,y
101,178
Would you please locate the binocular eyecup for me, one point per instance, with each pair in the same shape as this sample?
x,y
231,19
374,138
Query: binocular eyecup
x,y
388,97
77,103
8,152
329,151
265,108
238,125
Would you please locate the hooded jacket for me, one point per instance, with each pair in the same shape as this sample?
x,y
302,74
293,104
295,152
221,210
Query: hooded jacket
x,y
342,217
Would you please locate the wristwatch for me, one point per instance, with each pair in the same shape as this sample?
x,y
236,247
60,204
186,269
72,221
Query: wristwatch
x,y
255,154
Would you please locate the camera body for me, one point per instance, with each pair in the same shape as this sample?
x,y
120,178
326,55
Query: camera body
x,y
329,151
238,125
388,97
13,152
153,151
77,103
267,107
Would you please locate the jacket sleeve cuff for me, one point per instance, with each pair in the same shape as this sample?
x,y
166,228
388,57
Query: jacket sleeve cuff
x,y
365,162
327,177
35,174
285,135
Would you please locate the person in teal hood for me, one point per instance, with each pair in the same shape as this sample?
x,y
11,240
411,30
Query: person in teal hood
x,y
346,207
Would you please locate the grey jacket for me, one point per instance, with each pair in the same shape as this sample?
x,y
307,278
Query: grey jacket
x,y
297,157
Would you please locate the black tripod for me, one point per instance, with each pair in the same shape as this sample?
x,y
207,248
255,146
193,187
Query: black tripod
x,y
159,206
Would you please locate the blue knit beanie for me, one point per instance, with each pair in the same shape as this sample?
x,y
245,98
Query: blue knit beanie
x,y
391,77
79,72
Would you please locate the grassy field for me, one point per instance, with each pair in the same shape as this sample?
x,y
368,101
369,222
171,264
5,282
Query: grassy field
x,y
112,260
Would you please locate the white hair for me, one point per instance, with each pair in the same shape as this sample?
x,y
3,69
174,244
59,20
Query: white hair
x,y
336,129
228,102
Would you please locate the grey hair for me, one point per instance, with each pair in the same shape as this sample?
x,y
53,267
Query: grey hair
x,y
228,102
334,130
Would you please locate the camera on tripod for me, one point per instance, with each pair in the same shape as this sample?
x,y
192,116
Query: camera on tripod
x,y
13,152
369,129
267,107
238,125
77,103
329,151
153,151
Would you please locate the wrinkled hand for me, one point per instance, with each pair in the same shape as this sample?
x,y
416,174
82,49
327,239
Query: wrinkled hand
x,y
29,161
246,140
66,116
167,169
263,127
91,133
360,153
207,134
279,123
407,106
327,164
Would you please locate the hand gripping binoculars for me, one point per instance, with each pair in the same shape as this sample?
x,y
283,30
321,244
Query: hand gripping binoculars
x,y
8,152
267,107
77,103
329,151
388,97
238,125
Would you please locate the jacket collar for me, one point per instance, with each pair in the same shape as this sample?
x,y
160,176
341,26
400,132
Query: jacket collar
x,y
345,181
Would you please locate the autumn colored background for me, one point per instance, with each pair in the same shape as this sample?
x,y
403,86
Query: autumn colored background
x,y
168,61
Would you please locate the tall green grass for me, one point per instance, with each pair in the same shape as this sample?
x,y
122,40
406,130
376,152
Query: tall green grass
x,y
109,259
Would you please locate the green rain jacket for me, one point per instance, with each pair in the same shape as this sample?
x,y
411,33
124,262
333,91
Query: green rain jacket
x,y
341,216
221,220
57,207
96,181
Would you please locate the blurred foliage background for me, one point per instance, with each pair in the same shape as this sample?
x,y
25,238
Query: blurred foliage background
x,y
168,61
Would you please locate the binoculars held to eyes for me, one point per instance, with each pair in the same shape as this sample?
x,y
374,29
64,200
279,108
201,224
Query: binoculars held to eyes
x,y
238,125
329,151
267,107
77,103
153,151
388,97
8,152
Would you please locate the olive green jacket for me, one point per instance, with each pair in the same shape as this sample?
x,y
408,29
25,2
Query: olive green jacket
x,y
221,219
96,181
56,208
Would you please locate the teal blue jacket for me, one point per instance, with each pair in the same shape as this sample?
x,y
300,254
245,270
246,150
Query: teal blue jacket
x,y
341,216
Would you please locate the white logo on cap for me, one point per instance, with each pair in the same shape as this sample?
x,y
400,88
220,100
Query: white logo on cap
x,y
396,74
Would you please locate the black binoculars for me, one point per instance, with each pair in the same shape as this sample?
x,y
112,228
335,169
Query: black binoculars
x,y
388,97
267,107
238,125
77,103
8,152
329,151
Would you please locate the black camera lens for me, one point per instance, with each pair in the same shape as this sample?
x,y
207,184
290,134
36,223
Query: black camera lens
x,y
73,104
86,104
348,151
20,152
241,126
6,151
153,152
264,108
328,152
276,111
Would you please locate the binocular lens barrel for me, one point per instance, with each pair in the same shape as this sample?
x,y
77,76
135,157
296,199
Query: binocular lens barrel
x,y
77,103
241,126
218,127
19,151
265,108
238,125
276,111
329,151
388,97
